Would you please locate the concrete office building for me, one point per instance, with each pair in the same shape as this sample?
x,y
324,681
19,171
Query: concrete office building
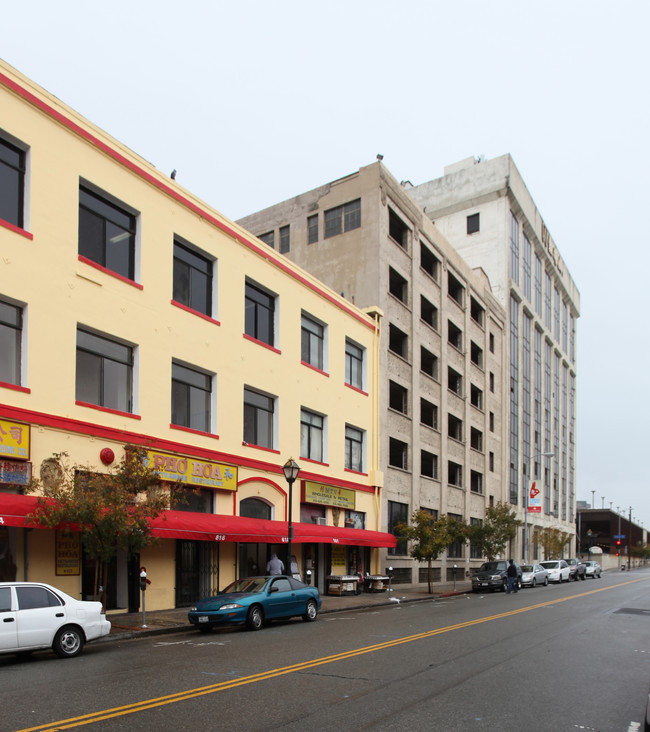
x,y
485,210
442,377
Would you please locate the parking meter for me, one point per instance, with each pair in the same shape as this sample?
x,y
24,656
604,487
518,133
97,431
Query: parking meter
x,y
143,586
143,579
308,578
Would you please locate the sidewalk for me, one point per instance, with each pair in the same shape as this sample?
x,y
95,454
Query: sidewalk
x,y
130,625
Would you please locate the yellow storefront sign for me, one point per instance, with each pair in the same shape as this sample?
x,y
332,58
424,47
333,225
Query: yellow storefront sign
x,y
68,553
329,495
199,473
14,440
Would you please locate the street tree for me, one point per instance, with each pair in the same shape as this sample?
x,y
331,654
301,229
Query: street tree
x,y
552,541
497,529
429,537
112,510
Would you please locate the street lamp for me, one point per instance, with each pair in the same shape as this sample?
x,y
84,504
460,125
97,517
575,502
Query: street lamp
x,y
290,470
526,497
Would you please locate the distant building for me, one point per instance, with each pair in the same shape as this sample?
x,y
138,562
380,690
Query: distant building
x,y
611,538
485,210
443,369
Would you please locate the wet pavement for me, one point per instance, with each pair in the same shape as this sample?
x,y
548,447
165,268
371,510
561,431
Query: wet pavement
x,y
130,625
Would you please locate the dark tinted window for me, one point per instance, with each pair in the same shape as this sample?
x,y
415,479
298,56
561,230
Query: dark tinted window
x,y
12,176
33,597
5,599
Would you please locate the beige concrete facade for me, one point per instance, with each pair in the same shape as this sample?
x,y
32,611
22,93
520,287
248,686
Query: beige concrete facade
x,y
442,367
486,211
61,296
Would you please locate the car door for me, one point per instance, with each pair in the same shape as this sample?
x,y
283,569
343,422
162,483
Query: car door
x,y
282,601
40,614
8,627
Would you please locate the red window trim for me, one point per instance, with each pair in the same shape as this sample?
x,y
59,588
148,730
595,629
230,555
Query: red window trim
x,y
110,272
354,388
261,343
261,447
17,229
314,368
107,409
193,431
187,309
316,462
15,387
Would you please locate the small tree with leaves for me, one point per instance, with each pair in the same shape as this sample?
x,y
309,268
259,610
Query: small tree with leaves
x,y
497,529
552,541
111,510
430,537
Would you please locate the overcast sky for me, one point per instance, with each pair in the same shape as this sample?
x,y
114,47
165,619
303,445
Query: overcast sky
x,y
256,101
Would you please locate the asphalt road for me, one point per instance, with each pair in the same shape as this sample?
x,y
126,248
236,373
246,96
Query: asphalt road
x,y
569,657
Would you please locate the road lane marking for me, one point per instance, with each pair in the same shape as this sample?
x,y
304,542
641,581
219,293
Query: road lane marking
x,y
144,705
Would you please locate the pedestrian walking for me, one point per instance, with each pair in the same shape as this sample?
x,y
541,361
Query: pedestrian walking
x,y
512,577
275,565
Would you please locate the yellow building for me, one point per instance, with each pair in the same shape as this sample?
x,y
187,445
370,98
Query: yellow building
x,y
132,312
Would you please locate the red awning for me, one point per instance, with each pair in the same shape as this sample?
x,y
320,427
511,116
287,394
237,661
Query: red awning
x,y
15,507
216,527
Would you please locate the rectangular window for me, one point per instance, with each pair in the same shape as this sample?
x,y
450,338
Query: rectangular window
x,y
285,239
12,184
429,262
491,421
192,279
428,414
398,341
491,342
428,464
268,238
491,382
191,398
397,514
455,427
354,364
312,229
398,454
312,341
476,396
260,314
476,311
428,312
454,381
104,372
476,482
491,462
106,233
11,331
455,335
311,435
455,290
397,229
538,286
526,275
476,439
259,413
354,442
428,363
455,474
476,354
398,285
473,223
514,248
343,218
397,397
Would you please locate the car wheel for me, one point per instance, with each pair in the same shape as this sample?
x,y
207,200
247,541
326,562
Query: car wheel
x,y
68,642
533,583
311,612
583,577
255,618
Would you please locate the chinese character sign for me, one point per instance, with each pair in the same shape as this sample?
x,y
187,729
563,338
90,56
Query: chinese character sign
x,y
14,440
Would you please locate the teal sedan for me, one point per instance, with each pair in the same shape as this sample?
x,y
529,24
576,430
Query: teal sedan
x,y
254,601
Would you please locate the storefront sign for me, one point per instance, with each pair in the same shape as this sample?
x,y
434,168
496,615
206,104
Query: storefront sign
x,y
329,495
14,440
339,560
15,473
68,553
199,473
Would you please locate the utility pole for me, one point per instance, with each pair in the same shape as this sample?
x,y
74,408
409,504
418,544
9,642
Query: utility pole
x,y
629,541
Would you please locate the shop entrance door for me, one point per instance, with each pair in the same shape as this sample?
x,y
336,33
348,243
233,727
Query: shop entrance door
x,y
197,571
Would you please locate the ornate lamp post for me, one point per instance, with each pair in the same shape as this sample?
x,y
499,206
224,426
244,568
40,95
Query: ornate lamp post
x,y
290,470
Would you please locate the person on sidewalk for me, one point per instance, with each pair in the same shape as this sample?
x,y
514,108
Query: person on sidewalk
x,y
512,577
275,565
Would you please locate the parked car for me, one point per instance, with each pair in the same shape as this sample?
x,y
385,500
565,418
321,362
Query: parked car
x,y
533,575
577,569
558,570
34,615
493,576
592,569
255,600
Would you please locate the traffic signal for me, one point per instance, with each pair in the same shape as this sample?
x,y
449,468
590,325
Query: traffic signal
x,y
618,546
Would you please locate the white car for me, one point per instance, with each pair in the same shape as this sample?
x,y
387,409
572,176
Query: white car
x,y
558,570
34,615
533,575
593,569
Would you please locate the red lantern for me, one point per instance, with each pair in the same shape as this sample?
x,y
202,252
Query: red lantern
x,y
107,455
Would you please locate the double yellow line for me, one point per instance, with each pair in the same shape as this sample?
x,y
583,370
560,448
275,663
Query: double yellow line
x,y
274,673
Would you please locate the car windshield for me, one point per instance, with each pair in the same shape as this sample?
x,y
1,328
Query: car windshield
x,y
248,584
550,565
492,567
526,567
